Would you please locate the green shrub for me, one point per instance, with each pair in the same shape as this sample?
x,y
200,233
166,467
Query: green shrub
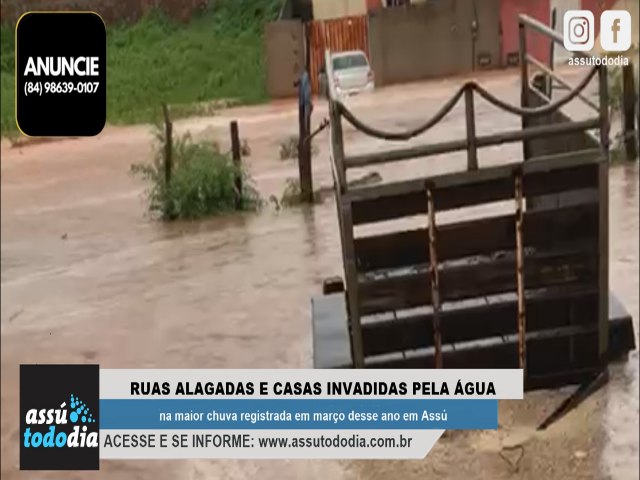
x,y
202,181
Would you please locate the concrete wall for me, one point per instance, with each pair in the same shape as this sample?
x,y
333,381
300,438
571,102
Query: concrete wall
x,y
487,44
327,9
112,11
433,40
284,53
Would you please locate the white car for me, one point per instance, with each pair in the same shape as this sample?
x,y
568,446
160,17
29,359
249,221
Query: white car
x,y
352,73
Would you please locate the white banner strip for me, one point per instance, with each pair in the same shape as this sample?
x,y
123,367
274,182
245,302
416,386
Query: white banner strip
x,y
253,444
310,383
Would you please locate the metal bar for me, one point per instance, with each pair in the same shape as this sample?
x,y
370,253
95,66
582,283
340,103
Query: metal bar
x,y
524,82
576,398
540,27
324,124
562,82
358,161
524,67
237,159
472,150
534,24
522,325
433,275
552,45
603,203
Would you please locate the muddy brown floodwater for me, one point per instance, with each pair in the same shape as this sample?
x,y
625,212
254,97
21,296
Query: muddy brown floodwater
x,y
87,277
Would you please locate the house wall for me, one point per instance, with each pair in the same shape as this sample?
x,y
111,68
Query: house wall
x,y
284,53
433,40
328,9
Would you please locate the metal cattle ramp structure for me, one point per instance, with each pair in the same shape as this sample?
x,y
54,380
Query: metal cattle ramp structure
x,y
528,289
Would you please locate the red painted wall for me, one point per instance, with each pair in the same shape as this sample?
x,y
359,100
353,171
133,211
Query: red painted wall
x,y
537,45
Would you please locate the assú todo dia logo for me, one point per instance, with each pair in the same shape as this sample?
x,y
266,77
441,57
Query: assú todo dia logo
x,y
75,412
59,417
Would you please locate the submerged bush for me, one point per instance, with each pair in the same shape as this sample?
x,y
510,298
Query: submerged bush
x,y
202,181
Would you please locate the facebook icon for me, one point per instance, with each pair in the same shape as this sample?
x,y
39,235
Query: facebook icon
x,y
615,30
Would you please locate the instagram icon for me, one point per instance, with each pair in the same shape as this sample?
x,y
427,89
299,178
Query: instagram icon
x,y
578,30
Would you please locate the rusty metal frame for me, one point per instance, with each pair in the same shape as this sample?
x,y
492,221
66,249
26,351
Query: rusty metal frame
x,y
434,278
522,322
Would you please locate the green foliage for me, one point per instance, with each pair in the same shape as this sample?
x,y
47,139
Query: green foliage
x,y
202,181
7,74
218,55
615,90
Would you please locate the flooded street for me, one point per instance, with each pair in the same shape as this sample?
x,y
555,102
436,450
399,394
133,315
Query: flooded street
x,y
88,277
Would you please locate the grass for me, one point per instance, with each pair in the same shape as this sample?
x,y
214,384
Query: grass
x,y
218,55
202,181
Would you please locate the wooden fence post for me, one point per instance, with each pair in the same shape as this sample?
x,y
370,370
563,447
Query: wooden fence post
x,y
168,145
472,149
237,161
304,155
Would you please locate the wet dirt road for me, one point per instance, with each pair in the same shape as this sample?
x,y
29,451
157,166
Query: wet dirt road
x,y
87,277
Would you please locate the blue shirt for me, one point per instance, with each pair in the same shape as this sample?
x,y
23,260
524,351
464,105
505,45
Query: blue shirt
x,y
304,90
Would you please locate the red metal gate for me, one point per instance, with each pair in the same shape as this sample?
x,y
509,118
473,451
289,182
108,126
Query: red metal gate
x,y
339,35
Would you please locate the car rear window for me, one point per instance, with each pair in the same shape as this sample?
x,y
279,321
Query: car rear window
x,y
349,61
